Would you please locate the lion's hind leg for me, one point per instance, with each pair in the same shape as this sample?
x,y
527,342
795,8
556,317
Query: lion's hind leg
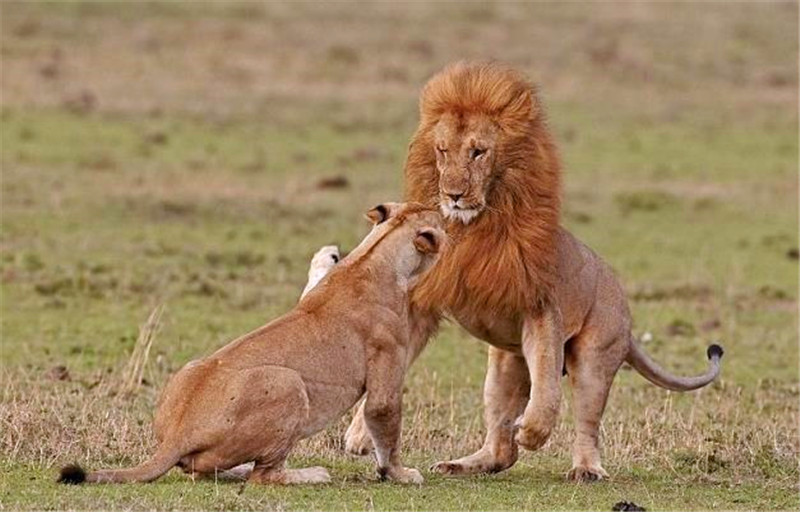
x,y
592,361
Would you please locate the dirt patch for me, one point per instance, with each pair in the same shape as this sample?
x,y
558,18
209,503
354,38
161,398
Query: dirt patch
x,y
333,182
644,201
680,327
247,259
680,292
59,372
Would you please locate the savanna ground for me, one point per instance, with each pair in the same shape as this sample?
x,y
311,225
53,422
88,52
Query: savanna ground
x,y
192,157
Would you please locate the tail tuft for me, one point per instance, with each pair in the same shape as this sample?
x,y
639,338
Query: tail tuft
x,y
72,475
715,351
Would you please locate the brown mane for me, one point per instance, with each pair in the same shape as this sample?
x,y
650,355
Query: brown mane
x,y
504,261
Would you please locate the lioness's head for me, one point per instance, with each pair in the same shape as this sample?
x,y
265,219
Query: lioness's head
x,y
474,119
408,234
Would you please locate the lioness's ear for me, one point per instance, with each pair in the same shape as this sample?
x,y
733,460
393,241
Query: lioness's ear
x,y
378,214
427,241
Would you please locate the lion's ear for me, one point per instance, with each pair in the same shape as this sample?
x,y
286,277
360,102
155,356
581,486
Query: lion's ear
x,y
378,214
427,240
522,108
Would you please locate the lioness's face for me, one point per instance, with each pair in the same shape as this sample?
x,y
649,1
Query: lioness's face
x,y
465,153
415,238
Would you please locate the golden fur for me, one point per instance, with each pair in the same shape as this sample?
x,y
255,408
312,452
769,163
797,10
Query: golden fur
x,y
505,260
512,276
253,399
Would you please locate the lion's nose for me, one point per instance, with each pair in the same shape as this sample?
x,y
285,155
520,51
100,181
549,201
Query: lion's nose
x,y
455,197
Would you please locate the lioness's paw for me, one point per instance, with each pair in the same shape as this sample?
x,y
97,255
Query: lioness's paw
x,y
402,475
325,258
322,262
357,440
531,435
313,475
586,474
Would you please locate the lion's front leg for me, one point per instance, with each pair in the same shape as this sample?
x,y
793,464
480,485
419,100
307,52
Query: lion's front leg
x,y
543,348
505,392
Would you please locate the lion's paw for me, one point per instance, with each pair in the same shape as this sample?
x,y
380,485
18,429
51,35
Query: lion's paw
x,y
357,440
531,435
480,462
448,468
403,475
586,474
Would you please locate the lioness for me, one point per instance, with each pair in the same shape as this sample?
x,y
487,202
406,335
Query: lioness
x,y
513,277
253,399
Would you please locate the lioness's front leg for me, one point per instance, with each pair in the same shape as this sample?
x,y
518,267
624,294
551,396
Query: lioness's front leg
x,y
543,348
383,408
423,323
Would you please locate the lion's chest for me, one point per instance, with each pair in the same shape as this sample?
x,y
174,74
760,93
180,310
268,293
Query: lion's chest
x,y
502,333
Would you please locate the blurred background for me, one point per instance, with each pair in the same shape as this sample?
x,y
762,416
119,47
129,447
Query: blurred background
x,y
191,157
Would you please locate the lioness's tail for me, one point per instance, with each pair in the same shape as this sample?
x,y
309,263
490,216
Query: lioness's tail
x,y
650,370
160,463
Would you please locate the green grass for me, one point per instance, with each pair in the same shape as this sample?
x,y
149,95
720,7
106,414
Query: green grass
x,y
351,490
192,181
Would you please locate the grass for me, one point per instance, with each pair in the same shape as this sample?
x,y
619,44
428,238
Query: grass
x,y
168,156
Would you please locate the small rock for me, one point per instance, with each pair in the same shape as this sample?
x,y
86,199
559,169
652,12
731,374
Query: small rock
x,y
365,154
156,138
680,327
793,253
50,70
627,506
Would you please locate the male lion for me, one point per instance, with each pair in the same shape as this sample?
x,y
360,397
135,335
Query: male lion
x,y
512,276
253,399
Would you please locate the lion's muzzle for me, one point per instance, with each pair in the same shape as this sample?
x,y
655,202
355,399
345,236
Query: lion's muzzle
x,y
459,210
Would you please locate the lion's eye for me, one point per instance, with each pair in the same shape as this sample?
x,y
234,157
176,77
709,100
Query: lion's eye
x,y
476,153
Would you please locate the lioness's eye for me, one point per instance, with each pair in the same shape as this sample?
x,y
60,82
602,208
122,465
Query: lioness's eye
x,y
476,153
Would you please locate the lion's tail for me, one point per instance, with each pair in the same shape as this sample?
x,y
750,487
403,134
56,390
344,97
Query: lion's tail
x,y
163,460
651,371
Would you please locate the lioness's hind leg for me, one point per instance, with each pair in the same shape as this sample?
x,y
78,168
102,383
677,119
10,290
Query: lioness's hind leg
x,y
591,364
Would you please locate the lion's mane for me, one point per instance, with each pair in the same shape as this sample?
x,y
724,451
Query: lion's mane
x,y
504,261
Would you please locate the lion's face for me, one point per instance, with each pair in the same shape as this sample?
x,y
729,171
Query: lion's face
x,y
465,153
